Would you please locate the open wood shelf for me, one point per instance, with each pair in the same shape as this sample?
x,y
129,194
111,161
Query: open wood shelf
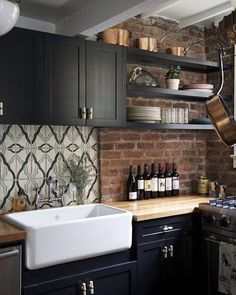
x,y
164,60
156,92
170,126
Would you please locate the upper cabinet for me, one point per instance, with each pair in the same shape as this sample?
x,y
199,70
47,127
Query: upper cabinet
x,y
60,80
105,84
21,75
64,79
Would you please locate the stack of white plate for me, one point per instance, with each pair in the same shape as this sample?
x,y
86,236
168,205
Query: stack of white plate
x,y
144,114
206,88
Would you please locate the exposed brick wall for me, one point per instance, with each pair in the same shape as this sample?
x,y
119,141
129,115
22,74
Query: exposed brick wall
x,y
195,152
120,148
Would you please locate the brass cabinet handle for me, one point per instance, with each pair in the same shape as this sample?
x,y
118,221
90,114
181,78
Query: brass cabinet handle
x,y
83,113
91,287
171,250
83,288
1,108
89,113
165,252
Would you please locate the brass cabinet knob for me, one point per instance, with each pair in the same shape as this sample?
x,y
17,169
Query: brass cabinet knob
x,y
165,252
89,113
83,288
83,113
91,287
1,108
171,250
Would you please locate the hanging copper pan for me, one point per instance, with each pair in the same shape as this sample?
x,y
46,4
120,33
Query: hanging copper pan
x,y
219,112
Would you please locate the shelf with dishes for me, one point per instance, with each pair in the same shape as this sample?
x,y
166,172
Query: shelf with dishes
x,y
164,118
135,90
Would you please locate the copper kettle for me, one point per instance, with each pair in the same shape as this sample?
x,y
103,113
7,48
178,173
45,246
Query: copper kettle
x,y
220,114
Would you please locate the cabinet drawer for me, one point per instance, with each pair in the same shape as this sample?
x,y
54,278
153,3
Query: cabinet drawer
x,y
153,230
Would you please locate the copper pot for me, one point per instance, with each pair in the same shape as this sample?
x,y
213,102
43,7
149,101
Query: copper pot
x,y
147,43
115,36
178,50
151,44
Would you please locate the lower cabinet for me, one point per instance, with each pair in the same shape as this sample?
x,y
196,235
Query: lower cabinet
x,y
164,254
111,280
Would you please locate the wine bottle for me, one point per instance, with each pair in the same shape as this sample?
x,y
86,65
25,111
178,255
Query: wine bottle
x,y
168,177
175,181
154,182
161,182
131,185
140,183
147,182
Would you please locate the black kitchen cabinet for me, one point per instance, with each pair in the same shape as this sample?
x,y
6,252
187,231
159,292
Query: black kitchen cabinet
x,y
105,84
64,80
105,275
21,77
164,254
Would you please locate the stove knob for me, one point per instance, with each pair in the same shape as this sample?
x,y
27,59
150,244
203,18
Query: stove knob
x,y
210,219
224,221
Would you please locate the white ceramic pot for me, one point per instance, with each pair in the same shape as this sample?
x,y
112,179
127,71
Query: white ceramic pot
x,y
172,84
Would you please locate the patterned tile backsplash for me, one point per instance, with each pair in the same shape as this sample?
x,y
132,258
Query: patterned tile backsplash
x,y
30,154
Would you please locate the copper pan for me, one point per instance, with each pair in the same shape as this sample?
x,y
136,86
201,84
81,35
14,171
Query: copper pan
x,y
177,50
219,113
115,36
147,43
151,44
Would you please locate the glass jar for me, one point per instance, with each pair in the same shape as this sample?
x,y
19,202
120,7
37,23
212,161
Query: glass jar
x,y
203,184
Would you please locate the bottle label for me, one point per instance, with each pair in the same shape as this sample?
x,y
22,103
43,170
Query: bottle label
x,y
161,184
140,184
154,184
168,184
175,183
147,185
132,195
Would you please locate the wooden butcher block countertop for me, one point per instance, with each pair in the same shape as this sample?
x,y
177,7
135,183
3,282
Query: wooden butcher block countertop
x,y
161,207
10,233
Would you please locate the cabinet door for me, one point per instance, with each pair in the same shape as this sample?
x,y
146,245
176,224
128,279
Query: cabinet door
x,y
151,267
21,70
115,280
179,264
64,79
105,84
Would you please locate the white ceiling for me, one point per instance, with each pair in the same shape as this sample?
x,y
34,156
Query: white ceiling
x,y
87,17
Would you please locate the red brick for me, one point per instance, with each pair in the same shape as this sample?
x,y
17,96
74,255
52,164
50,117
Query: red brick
x,y
111,154
133,154
109,137
106,146
145,145
125,146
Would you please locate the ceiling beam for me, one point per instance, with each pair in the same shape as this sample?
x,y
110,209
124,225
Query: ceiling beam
x,y
159,8
233,2
205,15
36,24
99,15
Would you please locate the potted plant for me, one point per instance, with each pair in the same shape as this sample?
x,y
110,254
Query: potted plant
x,y
172,77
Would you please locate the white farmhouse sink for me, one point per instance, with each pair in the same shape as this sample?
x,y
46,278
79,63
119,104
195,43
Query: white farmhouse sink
x,y
72,233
